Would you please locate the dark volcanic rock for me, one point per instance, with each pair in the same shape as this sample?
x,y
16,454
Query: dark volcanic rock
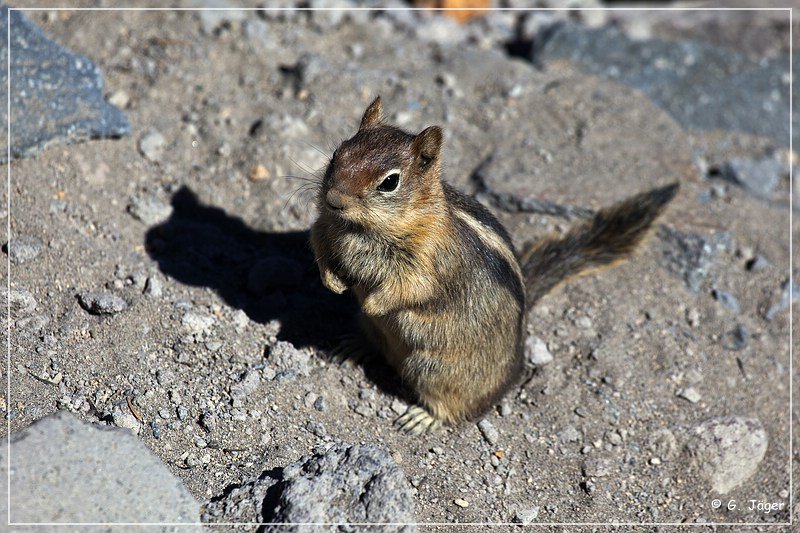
x,y
691,256
344,485
347,484
56,96
701,86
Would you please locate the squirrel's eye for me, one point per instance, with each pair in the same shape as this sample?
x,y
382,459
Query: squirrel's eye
x,y
390,182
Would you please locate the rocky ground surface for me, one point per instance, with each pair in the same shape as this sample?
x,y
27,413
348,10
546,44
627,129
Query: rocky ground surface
x,y
161,282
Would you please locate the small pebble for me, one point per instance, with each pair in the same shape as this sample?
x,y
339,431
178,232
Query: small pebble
x,y
258,173
757,264
726,300
569,434
693,317
399,406
22,249
197,323
461,503
124,419
101,303
320,404
150,211
489,432
505,409
536,352
151,145
597,467
119,98
690,394
738,338
153,287
526,516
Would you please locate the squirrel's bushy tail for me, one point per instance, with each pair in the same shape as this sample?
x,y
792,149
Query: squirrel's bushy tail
x,y
610,236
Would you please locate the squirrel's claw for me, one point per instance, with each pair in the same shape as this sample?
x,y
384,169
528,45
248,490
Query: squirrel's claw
x,y
417,421
350,349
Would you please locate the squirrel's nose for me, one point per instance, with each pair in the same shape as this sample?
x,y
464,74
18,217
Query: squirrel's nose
x,y
335,199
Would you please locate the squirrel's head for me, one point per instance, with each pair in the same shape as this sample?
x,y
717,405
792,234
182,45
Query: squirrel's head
x,y
383,174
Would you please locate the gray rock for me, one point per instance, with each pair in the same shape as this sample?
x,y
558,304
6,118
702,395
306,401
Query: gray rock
x,y
123,418
701,86
727,450
197,323
285,357
536,352
726,300
21,301
597,467
759,176
153,287
151,145
211,20
757,264
691,256
56,96
242,503
489,432
526,516
344,484
325,18
247,386
320,404
569,434
788,295
690,394
663,444
358,483
65,471
22,249
102,303
257,30
737,339
150,210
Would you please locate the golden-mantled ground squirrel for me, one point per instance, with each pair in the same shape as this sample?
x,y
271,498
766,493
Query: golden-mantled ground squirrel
x,y
442,292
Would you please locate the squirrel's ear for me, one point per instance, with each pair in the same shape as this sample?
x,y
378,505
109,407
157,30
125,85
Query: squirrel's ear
x,y
426,145
373,115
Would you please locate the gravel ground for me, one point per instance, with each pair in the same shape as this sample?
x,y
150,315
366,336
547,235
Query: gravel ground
x,y
162,282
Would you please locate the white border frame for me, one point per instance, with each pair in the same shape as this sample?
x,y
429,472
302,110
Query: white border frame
x,y
423,524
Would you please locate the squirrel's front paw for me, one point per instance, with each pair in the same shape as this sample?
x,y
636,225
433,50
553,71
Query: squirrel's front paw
x,y
333,282
375,305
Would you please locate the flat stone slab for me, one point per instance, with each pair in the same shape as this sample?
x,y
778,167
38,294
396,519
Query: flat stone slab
x,y
700,85
56,95
65,471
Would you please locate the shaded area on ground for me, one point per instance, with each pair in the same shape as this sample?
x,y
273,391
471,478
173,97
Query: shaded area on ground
x,y
267,275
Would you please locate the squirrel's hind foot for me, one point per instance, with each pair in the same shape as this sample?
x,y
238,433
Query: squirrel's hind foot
x,y
417,421
350,350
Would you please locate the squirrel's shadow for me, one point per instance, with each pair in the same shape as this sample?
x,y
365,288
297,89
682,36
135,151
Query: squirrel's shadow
x,y
269,276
